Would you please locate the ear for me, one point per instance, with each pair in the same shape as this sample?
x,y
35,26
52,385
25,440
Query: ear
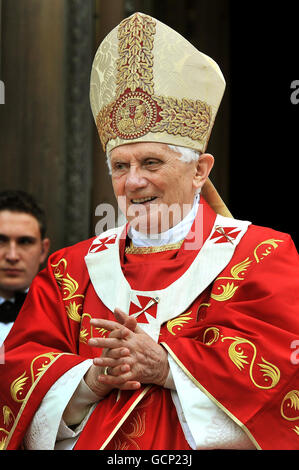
x,y
204,166
45,249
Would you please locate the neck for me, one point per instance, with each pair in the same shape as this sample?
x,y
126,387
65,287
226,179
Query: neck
x,y
173,235
7,295
10,294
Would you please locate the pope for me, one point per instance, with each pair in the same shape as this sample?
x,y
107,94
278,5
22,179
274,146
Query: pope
x,y
173,331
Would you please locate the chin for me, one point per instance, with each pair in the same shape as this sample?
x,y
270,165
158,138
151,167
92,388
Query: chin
x,y
13,286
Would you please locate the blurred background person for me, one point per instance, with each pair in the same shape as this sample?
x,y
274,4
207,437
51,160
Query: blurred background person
x,y
23,248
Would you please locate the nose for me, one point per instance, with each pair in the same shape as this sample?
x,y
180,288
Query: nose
x,y
12,255
135,179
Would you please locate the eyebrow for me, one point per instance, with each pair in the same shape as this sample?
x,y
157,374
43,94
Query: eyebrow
x,y
4,237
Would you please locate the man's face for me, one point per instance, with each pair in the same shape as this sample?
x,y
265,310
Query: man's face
x,y
148,179
21,251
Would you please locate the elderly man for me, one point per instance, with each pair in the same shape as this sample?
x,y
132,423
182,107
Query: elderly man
x,y
23,248
175,330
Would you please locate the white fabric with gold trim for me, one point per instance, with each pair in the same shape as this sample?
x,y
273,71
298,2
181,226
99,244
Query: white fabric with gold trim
x,y
114,290
205,423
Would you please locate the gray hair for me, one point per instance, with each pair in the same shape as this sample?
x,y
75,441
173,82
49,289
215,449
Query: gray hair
x,y
187,155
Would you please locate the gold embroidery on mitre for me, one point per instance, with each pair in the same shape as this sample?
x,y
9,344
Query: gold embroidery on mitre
x,y
103,123
133,115
136,110
184,117
135,63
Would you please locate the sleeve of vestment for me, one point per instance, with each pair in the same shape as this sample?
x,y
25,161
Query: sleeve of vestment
x,y
239,355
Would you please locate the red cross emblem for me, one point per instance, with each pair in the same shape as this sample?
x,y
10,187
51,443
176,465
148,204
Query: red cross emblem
x,y
148,305
225,234
101,245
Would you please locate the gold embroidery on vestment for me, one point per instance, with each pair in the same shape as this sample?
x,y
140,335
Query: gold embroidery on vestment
x,y
8,418
84,334
3,439
69,287
239,358
237,270
291,400
178,322
122,420
273,245
211,397
17,386
227,293
5,442
143,250
215,335
72,311
289,403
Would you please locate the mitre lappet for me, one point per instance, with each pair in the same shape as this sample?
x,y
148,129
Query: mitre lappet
x,y
149,84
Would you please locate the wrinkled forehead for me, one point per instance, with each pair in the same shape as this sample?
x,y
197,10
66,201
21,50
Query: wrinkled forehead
x,y
140,148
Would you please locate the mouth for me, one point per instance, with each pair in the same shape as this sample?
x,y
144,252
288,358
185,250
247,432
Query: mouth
x,y
12,272
143,200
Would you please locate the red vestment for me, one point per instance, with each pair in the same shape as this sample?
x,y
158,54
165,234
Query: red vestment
x,y
234,341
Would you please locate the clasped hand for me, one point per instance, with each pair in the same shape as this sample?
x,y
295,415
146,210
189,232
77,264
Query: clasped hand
x,y
131,355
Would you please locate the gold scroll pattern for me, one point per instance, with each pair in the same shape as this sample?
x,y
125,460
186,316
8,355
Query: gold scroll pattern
x,y
226,290
8,420
138,429
88,333
211,335
37,367
69,287
236,353
289,408
20,387
185,117
177,323
134,428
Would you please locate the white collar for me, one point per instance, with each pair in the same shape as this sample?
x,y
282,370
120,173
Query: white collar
x,y
112,287
173,235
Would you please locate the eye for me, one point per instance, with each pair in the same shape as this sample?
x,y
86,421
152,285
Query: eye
x,y
152,163
26,241
3,239
118,166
